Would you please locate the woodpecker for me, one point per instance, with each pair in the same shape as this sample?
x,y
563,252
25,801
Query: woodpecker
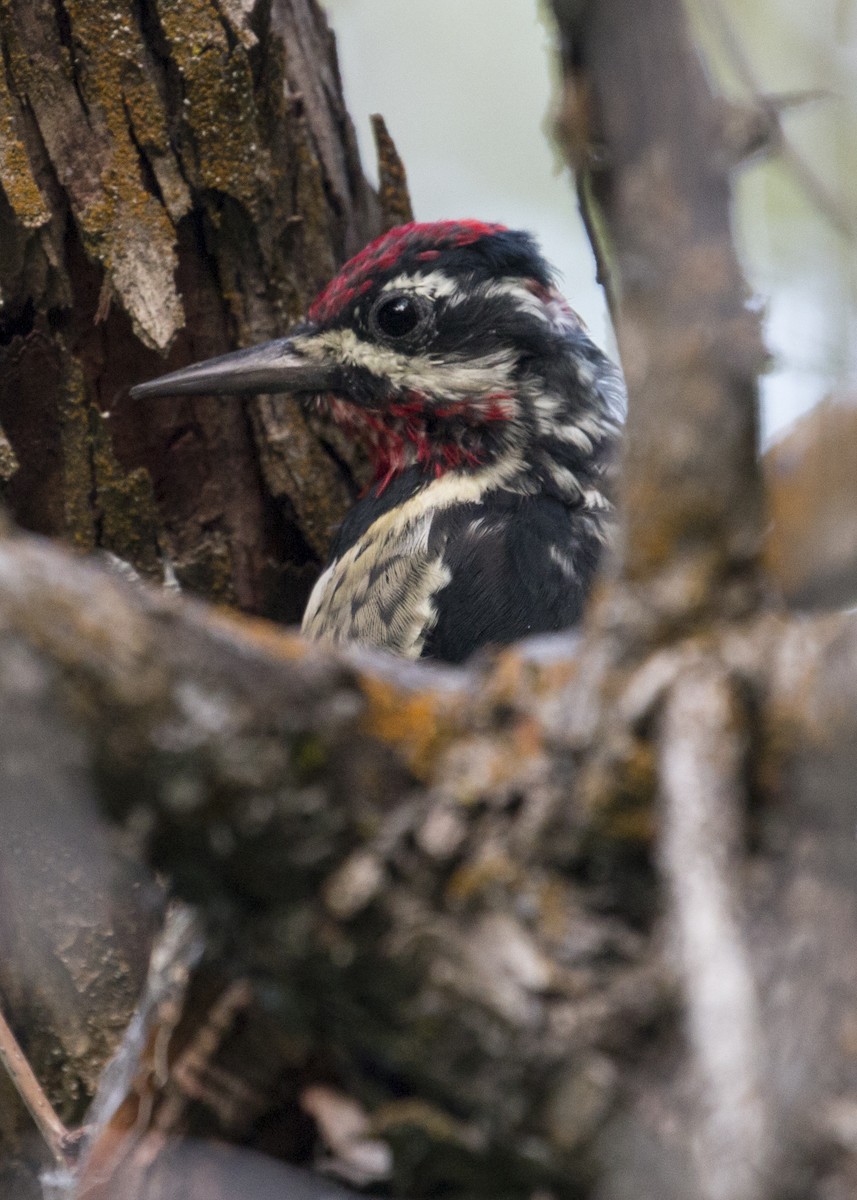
x,y
491,418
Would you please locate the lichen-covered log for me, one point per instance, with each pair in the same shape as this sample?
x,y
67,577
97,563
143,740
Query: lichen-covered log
x,y
412,930
176,179
410,896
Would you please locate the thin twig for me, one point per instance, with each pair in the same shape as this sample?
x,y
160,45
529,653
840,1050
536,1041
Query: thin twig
x,y
812,184
194,1073
59,1140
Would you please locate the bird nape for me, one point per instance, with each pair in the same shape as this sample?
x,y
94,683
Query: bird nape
x,y
491,418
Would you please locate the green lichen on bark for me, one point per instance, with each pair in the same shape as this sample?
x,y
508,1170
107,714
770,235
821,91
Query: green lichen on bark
x,y
8,459
173,149
77,466
22,190
128,523
126,228
77,102
224,144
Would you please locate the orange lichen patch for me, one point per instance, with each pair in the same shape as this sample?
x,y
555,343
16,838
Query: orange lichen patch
x,y
553,912
507,677
473,878
270,639
527,740
416,723
550,676
617,793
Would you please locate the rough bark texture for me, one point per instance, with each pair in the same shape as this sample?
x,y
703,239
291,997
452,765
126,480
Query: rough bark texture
x,y
178,178
411,899
423,961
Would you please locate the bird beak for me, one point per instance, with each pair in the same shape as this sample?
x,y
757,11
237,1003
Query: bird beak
x,y
278,366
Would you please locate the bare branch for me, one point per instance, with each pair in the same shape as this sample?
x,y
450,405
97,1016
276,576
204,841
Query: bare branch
x,y
814,187
690,347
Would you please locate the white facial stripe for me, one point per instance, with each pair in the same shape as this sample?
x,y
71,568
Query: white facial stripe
x,y
432,284
436,285
516,290
450,380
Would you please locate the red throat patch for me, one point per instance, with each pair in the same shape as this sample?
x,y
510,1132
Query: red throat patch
x,y
400,436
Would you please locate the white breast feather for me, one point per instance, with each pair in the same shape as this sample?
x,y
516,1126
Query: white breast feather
x,y
381,591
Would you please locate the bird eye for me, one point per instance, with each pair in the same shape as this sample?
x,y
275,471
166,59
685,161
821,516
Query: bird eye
x,y
397,316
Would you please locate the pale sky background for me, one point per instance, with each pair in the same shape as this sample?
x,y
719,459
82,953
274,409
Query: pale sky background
x,y
465,88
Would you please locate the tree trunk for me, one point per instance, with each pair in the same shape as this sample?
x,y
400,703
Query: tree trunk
x,y
178,179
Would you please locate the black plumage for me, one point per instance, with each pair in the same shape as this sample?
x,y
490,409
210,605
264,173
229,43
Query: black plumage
x,y
508,557
505,584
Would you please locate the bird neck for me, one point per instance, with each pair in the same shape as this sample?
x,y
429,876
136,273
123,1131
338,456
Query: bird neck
x,y
552,430
434,437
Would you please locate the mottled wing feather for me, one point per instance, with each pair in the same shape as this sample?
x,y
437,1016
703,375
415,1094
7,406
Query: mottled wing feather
x,y
441,580
381,590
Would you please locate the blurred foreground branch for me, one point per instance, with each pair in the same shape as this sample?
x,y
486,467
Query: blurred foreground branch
x,y
389,858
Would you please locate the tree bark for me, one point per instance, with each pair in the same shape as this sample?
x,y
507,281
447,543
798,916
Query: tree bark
x,y
178,178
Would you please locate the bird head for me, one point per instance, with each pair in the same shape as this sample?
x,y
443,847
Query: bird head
x,y
444,346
